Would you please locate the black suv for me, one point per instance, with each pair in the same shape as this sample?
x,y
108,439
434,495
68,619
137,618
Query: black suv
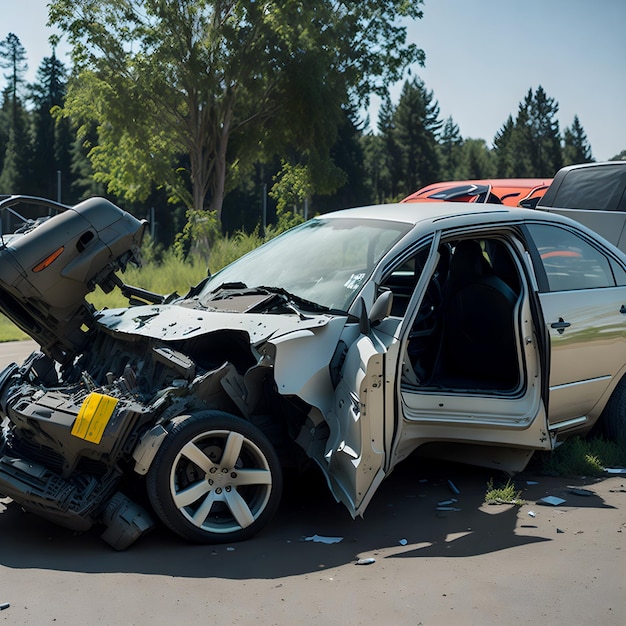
x,y
593,194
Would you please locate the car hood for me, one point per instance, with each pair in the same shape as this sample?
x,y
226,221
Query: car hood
x,y
172,322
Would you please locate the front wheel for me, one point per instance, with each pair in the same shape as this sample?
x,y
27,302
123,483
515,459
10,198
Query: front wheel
x,y
216,478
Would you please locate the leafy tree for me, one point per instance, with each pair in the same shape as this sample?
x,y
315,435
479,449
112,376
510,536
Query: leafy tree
x,y
576,148
348,157
190,93
84,184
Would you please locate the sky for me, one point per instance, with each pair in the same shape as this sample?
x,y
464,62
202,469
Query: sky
x,y
482,57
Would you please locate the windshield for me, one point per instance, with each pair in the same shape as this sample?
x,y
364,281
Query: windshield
x,y
324,261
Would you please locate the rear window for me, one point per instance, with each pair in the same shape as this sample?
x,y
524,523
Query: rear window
x,y
592,188
569,261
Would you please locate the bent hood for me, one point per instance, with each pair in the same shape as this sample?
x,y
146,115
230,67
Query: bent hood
x,y
172,322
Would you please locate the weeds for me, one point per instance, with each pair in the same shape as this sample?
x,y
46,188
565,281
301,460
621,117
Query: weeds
x,y
583,457
504,494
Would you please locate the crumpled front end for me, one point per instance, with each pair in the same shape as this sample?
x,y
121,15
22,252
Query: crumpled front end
x,y
68,443
78,437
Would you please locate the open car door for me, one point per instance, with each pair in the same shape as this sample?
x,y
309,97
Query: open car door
x,y
472,385
356,456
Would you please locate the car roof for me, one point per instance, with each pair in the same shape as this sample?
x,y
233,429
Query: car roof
x,y
426,215
419,212
508,190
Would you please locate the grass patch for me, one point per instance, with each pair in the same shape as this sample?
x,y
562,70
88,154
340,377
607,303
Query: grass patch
x,y
503,494
165,277
583,457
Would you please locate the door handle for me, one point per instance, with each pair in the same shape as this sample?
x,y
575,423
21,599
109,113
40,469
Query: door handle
x,y
622,309
560,326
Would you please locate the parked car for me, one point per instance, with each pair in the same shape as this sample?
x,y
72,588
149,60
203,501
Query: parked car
x,y
353,339
593,194
509,191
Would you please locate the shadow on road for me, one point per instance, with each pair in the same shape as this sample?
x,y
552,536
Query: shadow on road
x,y
405,508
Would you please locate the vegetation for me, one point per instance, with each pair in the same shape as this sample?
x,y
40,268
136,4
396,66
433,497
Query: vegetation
x,y
122,124
503,494
583,457
189,94
224,123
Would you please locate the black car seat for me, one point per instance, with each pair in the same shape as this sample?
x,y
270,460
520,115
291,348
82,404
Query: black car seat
x,y
478,349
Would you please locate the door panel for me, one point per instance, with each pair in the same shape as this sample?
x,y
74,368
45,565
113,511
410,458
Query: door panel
x,y
586,329
356,453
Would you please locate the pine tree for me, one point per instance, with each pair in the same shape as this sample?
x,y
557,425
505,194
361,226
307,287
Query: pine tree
x,y
450,145
547,155
52,140
503,150
476,161
530,146
386,154
15,157
576,148
416,128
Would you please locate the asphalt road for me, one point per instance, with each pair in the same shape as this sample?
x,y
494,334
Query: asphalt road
x,y
477,565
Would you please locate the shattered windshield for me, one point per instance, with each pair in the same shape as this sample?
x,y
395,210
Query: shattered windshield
x,y
323,261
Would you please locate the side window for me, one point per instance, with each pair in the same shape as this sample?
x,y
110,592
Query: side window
x,y
403,279
569,261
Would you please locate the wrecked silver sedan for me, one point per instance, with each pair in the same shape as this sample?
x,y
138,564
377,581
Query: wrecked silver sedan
x,y
474,334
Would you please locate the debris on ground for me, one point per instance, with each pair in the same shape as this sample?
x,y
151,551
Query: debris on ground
x,y
453,488
367,561
322,539
551,501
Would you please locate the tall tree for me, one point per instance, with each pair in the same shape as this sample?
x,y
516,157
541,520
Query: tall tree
x,y
52,141
504,150
185,93
576,148
531,146
416,127
383,155
13,58
450,145
547,156
14,134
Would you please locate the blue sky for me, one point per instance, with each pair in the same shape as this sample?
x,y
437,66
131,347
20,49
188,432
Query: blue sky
x,y
482,56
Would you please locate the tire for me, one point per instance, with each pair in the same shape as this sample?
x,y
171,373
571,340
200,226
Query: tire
x,y
215,479
613,418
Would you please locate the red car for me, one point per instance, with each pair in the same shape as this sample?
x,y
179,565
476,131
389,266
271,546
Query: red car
x,y
524,192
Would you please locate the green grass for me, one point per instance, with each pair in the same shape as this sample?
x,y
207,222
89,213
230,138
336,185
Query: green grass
x,y
503,494
583,457
165,277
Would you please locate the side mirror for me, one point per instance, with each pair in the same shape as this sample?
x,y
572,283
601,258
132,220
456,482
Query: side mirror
x,y
380,310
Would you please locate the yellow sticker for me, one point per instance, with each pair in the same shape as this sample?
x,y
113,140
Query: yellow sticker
x,y
94,415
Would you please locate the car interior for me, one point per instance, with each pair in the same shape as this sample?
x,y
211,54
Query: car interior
x,y
464,334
